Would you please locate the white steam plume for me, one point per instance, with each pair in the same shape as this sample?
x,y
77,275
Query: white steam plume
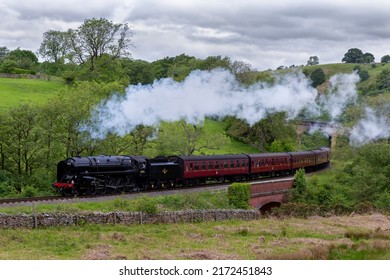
x,y
342,91
201,94
217,93
372,127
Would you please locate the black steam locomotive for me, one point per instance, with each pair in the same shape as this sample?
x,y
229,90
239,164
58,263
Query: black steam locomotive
x,y
104,174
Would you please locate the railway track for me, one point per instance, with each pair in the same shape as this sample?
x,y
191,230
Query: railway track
x,y
13,202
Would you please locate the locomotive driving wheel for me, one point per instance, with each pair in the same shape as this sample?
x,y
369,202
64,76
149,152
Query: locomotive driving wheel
x,y
92,190
76,191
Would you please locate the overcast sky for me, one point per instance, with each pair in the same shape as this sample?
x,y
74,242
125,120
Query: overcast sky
x,y
264,33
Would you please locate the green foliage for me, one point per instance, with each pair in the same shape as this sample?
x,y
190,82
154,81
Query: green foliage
x,y
353,55
146,205
28,191
7,66
383,79
239,195
54,46
24,59
317,77
186,139
385,59
271,133
300,185
281,146
313,60
313,141
69,77
7,190
363,74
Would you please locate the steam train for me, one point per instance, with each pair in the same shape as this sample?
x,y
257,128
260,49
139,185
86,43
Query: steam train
x,y
105,174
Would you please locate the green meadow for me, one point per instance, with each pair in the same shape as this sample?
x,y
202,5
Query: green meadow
x,y
14,91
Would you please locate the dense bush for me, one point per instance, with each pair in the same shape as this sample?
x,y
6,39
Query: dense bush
x,y
300,185
317,77
239,195
362,185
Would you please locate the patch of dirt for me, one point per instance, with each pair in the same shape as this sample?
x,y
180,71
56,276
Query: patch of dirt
x,y
208,255
118,236
371,222
100,252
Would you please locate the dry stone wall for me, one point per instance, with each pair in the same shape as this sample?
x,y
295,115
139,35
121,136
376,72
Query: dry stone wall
x,y
125,218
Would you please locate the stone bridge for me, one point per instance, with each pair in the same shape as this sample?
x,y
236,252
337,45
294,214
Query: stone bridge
x,y
328,128
268,194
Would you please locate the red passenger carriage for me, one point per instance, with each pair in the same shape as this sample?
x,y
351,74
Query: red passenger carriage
x,y
270,164
199,169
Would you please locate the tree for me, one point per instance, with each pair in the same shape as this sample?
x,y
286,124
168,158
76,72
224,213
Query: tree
x,y
23,138
368,58
241,70
3,53
317,77
212,62
385,59
383,79
96,37
313,60
54,46
138,71
24,59
353,55
184,139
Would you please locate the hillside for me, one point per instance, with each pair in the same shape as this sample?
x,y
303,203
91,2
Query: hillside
x,y
14,91
366,86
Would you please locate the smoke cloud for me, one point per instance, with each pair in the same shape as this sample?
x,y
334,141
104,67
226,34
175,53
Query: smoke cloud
x,y
202,94
217,93
372,127
342,91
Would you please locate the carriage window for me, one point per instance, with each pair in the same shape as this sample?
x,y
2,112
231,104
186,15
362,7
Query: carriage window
x,y
266,162
231,164
216,165
210,165
244,163
187,167
196,166
238,163
191,166
277,161
225,164
203,166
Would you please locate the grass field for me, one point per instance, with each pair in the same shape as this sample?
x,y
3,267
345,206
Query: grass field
x,y
347,237
15,91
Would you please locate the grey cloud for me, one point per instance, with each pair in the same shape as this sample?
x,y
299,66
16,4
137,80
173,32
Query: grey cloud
x,y
264,33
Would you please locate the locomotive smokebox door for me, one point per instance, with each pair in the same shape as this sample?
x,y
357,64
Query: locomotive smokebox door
x,y
161,169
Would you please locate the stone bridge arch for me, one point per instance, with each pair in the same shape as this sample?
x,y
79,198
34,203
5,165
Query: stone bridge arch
x,y
268,194
330,129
